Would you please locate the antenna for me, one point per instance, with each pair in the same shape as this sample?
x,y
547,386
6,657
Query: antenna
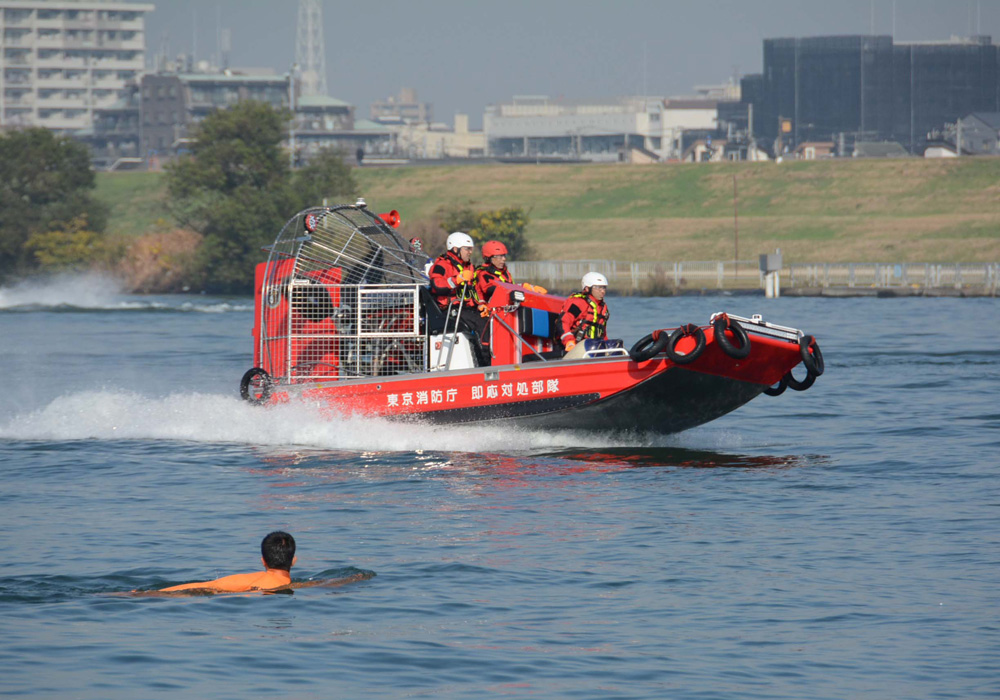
x,y
310,54
227,46
217,58
645,89
162,58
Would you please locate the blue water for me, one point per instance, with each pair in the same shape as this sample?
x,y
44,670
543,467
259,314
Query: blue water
x,y
843,542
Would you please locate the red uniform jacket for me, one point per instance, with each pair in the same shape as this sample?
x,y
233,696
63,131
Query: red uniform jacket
x,y
487,277
582,316
443,286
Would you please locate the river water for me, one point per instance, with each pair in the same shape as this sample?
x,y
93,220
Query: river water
x,y
841,542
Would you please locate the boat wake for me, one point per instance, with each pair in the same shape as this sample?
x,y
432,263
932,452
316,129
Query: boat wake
x,y
93,292
213,418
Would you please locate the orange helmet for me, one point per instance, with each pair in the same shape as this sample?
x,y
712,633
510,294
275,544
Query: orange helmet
x,y
491,248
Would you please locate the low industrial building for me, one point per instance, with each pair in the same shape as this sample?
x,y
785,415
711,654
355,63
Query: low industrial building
x,y
976,134
433,140
538,126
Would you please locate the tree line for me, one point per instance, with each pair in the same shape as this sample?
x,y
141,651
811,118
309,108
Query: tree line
x,y
234,191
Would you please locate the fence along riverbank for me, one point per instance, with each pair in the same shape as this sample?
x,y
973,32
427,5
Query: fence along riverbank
x,y
821,279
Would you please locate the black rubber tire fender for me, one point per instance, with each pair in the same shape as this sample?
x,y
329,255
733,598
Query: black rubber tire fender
x,y
265,390
737,352
682,332
649,346
779,388
796,384
812,360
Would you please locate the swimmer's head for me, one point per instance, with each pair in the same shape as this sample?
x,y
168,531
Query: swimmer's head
x,y
278,550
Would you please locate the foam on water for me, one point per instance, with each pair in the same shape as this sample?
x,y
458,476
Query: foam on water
x,y
212,418
79,290
95,292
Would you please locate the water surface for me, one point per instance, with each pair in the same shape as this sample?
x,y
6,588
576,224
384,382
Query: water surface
x,y
837,543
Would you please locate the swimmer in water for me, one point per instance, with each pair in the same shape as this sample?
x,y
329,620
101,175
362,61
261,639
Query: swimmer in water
x,y
277,554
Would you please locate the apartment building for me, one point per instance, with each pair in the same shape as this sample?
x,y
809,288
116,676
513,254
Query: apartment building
x,y
67,65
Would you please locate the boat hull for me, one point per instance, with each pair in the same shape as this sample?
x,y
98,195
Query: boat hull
x,y
607,394
671,401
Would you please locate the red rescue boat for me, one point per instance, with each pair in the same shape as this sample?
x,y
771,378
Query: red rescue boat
x,y
344,319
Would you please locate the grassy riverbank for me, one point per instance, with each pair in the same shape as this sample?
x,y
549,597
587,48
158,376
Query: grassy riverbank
x,y
826,211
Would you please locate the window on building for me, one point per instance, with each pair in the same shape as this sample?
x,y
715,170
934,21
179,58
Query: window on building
x,y
14,16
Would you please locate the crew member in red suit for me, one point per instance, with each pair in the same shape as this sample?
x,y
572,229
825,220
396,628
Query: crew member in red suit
x,y
493,270
585,315
452,286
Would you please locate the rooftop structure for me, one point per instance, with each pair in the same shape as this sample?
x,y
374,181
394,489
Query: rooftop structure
x,y
403,108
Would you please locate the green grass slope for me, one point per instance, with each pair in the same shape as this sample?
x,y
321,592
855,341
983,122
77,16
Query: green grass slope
x,y
823,211
136,201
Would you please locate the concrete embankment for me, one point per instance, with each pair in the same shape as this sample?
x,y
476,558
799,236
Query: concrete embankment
x,y
886,292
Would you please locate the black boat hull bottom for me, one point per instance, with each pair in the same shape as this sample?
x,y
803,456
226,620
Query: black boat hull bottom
x,y
669,402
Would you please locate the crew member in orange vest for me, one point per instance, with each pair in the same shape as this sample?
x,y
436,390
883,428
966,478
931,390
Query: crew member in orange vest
x,y
585,315
452,285
493,270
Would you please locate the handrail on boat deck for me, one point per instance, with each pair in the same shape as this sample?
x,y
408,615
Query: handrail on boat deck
x,y
518,336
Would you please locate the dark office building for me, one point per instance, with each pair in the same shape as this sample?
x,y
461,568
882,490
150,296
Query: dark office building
x,y
868,88
934,84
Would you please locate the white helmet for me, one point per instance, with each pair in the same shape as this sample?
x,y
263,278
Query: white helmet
x,y
459,240
594,279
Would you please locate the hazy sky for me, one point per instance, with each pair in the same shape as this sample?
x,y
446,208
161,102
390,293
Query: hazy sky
x,y
462,55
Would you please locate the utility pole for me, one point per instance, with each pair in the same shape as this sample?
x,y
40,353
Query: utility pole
x,y
291,123
736,230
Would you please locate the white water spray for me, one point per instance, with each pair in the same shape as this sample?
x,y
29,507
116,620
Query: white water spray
x,y
208,418
91,291
79,290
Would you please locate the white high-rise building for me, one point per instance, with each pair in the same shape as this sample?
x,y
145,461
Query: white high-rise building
x,y
63,61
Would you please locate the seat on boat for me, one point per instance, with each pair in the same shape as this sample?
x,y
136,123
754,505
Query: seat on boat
x,y
432,313
435,320
541,329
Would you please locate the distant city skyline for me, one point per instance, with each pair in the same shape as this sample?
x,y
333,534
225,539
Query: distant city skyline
x,y
462,56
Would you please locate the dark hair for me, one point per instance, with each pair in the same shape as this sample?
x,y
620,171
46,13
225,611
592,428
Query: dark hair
x,y
278,550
